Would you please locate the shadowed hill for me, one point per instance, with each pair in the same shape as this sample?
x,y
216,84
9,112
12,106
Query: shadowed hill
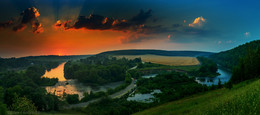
x,y
230,58
158,52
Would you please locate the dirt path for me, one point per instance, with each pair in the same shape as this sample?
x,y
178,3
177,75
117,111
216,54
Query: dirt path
x,y
113,96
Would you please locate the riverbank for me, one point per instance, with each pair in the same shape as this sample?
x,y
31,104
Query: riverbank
x,y
223,77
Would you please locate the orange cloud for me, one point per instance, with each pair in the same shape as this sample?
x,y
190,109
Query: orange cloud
x,y
65,25
29,16
198,22
37,27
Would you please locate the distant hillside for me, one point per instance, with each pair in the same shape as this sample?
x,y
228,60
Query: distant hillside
x,y
49,61
55,57
158,52
230,58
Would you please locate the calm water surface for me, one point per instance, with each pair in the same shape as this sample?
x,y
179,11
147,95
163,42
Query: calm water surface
x,y
224,77
72,86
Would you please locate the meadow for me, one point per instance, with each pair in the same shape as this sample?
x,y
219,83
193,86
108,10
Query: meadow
x,y
243,98
164,60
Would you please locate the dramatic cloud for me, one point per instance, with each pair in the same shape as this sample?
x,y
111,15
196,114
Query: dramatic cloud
x,y
29,16
37,27
6,24
98,22
198,22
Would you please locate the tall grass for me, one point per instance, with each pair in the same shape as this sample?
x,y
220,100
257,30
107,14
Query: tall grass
x,y
242,99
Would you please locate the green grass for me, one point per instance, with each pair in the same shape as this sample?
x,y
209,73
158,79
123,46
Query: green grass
x,y
243,98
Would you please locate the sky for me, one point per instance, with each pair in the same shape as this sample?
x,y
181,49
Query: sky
x,y
77,27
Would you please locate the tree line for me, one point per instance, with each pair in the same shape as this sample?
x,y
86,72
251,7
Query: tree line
x,y
231,58
248,67
99,69
22,90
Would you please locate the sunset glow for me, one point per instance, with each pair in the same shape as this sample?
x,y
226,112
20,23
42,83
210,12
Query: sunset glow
x,y
81,27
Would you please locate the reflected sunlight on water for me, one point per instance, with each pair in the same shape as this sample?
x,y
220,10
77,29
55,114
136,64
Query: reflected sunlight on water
x,y
72,86
56,73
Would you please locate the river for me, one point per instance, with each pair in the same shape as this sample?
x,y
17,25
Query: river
x,y
72,86
224,77
148,98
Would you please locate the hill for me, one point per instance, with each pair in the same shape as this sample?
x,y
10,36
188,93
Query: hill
x,y
230,58
49,61
242,99
158,52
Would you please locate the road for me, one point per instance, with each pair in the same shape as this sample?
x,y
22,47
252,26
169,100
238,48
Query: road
x,y
113,96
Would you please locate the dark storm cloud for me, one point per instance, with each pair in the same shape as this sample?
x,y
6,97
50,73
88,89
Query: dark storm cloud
x,y
28,16
6,24
98,22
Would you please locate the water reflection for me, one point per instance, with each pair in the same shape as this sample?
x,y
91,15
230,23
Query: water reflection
x,y
224,77
149,76
72,86
146,98
56,73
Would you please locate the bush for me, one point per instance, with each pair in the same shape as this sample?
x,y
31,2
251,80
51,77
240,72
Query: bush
x,y
22,104
3,110
72,99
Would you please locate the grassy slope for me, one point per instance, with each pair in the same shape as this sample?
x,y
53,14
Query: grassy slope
x,y
243,98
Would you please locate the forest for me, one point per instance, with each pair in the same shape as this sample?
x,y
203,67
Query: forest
x,y
99,69
208,68
22,91
173,85
231,58
248,67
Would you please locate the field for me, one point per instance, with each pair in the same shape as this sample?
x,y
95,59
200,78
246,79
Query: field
x,y
164,60
243,98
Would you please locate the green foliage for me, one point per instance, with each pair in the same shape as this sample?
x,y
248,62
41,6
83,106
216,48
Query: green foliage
x,y
135,73
242,99
98,69
91,95
3,110
248,67
19,84
208,68
219,84
128,78
11,94
107,106
35,73
173,86
25,62
48,81
72,99
230,58
246,101
22,105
